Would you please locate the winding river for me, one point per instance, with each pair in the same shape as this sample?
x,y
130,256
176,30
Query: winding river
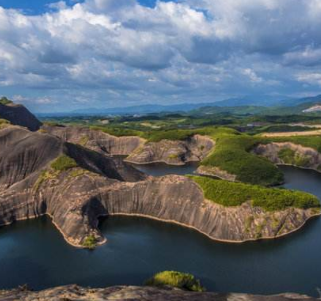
x,y
35,253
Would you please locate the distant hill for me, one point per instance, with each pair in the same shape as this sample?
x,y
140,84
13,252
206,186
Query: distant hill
x,y
18,115
241,105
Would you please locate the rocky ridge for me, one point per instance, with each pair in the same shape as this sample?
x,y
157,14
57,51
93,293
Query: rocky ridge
x,y
306,157
18,115
96,140
195,148
131,293
138,150
98,185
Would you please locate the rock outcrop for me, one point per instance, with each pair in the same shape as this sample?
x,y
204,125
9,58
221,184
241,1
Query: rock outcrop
x,y
305,157
195,148
214,171
97,185
137,149
131,293
18,115
96,140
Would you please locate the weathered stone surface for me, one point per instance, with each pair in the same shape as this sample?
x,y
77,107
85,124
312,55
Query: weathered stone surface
x,y
137,149
195,148
133,293
96,140
214,171
19,115
102,185
271,150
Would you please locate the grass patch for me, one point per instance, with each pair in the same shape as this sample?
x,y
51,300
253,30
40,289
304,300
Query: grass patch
x,y
270,199
176,279
63,163
4,123
5,101
289,156
90,242
117,131
232,154
45,176
83,140
77,172
307,141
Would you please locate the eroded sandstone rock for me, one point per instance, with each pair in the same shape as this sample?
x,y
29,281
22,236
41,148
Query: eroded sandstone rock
x,y
310,158
130,293
100,185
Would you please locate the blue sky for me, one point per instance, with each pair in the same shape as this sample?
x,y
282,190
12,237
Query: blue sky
x,y
106,53
41,6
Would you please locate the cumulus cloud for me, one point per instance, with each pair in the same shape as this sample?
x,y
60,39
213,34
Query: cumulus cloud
x,y
196,50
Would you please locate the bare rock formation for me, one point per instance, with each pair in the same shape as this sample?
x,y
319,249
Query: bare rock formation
x,y
96,140
305,157
137,149
96,185
214,171
170,152
130,293
18,115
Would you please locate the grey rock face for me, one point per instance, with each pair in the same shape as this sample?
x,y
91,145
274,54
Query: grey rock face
x,y
195,148
96,140
131,293
137,149
101,185
312,158
19,115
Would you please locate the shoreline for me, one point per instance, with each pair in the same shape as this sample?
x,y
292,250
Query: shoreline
x,y
160,220
210,237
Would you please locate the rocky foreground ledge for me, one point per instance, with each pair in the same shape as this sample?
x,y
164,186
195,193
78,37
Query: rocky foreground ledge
x,y
133,293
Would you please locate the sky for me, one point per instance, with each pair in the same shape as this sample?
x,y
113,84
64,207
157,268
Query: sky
x,y
68,55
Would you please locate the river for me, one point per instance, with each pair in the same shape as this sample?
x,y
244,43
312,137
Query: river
x,y
34,253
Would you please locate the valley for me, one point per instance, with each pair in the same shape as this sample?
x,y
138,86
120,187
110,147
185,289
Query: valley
x,y
214,186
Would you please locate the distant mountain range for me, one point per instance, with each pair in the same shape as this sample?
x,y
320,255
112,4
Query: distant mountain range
x,y
256,104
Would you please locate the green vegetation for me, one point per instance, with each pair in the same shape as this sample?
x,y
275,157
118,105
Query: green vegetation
x,y
5,101
286,155
45,176
289,156
176,279
76,172
63,163
232,154
234,142
90,242
83,140
4,123
116,131
307,141
270,199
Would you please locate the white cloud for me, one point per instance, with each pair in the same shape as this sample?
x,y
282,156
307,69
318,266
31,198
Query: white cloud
x,y
195,48
252,75
310,78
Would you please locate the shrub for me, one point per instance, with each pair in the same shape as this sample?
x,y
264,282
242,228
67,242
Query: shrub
x,y
90,242
4,123
63,163
116,131
232,154
287,155
270,199
176,279
5,101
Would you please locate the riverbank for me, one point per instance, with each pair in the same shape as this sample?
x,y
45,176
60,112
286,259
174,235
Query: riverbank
x,y
123,293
